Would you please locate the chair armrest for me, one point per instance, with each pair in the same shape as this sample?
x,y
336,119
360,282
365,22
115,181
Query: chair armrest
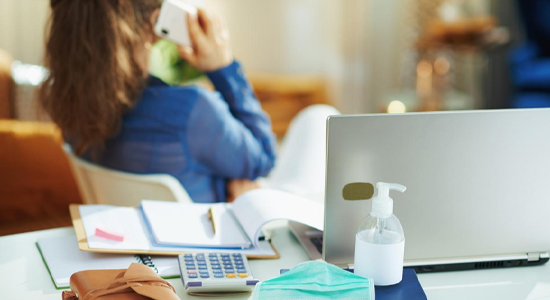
x,y
179,192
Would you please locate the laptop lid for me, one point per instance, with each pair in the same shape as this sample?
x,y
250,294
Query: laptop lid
x,y
477,181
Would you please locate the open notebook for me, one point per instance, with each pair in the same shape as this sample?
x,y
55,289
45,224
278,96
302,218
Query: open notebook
x,y
63,258
159,227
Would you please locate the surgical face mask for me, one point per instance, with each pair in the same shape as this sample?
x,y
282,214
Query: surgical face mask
x,y
315,280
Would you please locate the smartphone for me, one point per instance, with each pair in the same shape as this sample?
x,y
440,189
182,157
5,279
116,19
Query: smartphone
x,y
172,21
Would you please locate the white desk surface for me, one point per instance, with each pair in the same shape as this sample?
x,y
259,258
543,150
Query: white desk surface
x,y
24,276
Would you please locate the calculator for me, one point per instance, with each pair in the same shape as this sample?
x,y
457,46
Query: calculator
x,y
216,272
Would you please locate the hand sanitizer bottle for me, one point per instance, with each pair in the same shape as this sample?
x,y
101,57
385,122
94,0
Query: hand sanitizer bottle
x,y
380,241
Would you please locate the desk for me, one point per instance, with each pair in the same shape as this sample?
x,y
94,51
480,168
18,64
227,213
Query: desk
x,y
24,276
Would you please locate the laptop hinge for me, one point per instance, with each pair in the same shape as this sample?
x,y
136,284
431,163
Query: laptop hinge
x,y
533,256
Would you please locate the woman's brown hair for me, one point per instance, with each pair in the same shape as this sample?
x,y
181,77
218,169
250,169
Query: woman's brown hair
x,y
95,52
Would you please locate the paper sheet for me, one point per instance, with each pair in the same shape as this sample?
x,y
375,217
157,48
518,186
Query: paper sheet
x,y
258,207
188,225
121,219
301,163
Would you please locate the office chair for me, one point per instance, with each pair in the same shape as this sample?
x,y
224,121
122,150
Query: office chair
x,y
99,185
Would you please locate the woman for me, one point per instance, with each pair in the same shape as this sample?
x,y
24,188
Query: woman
x,y
115,114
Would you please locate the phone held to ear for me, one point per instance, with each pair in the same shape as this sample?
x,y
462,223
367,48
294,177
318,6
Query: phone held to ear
x,y
172,21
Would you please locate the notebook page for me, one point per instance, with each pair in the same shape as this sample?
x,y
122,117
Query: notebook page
x,y
136,226
126,220
188,224
166,266
63,258
258,207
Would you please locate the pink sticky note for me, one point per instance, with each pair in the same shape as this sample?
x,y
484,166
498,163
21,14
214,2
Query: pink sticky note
x,y
109,234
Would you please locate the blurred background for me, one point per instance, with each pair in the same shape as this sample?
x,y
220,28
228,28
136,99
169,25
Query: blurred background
x,y
362,56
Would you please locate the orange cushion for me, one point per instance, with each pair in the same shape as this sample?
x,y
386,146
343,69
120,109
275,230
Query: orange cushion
x,y
36,181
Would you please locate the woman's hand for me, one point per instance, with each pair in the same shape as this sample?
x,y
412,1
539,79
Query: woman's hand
x,y
236,188
210,38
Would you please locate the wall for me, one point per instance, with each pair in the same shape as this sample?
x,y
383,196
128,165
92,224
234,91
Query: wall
x,y
386,28
321,37
22,28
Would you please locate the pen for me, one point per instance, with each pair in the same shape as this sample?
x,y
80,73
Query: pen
x,y
211,218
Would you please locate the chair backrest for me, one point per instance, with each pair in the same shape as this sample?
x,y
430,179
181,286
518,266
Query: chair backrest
x,y
99,185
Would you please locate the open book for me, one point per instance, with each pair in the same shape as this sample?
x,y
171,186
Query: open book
x,y
237,225
171,228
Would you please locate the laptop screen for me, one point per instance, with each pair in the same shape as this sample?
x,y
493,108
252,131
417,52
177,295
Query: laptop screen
x,y
477,181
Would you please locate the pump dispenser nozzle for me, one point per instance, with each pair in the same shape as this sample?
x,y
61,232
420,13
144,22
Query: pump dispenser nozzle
x,y
382,204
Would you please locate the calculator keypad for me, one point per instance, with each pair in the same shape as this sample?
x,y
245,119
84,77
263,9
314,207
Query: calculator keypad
x,y
215,265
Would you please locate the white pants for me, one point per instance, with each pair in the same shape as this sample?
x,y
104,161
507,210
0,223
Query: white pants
x,y
300,165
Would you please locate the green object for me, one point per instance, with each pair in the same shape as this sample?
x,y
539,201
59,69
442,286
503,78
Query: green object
x,y
358,191
316,280
167,64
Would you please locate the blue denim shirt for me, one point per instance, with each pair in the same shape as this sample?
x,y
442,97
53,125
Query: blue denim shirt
x,y
203,138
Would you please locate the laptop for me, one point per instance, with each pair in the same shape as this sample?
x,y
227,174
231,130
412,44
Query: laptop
x,y
478,186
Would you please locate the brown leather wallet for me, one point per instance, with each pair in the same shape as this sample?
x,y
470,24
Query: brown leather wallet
x,y
135,283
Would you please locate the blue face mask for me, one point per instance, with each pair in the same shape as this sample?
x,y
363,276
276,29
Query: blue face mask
x,y
315,280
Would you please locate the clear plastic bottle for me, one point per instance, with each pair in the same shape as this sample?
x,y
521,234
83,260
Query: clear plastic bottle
x,y
380,240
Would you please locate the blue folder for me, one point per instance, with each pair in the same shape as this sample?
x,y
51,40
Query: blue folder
x,y
409,288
